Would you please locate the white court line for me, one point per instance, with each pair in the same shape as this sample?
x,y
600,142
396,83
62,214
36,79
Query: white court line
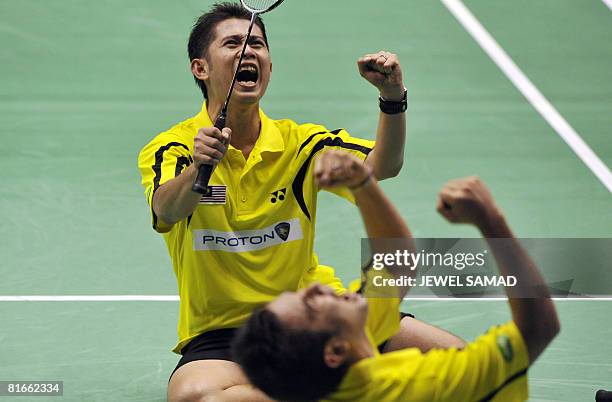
x,y
91,298
529,91
167,298
608,3
503,298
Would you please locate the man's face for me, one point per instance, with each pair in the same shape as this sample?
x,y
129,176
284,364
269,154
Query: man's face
x,y
222,58
319,308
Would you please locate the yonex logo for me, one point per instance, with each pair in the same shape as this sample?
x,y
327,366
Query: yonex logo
x,y
278,195
248,240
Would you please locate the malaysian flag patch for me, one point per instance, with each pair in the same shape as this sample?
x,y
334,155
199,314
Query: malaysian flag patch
x,y
217,195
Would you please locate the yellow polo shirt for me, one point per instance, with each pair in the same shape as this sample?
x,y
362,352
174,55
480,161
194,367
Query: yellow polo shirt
x,y
253,237
492,368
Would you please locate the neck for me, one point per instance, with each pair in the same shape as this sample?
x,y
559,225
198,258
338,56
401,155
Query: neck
x,y
362,349
243,120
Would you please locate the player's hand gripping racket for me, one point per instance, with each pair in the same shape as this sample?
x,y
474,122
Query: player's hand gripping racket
x,y
256,7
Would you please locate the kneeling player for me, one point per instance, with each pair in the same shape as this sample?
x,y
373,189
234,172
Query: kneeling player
x,y
314,344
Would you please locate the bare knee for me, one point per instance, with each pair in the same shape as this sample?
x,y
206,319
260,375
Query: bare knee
x,y
201,381
191,390
209,381
199,392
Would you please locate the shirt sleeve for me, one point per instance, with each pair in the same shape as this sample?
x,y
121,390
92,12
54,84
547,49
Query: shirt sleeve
x,y
383,320
492,368
317,138
358,147
161,160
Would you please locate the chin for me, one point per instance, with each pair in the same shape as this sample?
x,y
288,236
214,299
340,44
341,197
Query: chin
x,y
247,98
363,306
363,315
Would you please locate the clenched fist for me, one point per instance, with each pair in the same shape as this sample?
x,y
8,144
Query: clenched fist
x,y
468,200
339,168
383,70
210,145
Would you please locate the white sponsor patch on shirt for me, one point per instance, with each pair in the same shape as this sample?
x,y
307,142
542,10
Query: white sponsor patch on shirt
x,y
248,240
218,195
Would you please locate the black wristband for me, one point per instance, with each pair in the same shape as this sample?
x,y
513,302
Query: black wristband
x,y
393,107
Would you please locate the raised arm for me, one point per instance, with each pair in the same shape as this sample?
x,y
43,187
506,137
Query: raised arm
x,y
383,70
382,221
469,201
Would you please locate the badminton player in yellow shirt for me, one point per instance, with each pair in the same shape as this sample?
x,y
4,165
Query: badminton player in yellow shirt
x,y
231,250
315,344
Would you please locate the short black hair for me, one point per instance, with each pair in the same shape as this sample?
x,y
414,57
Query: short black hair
x,y
285,363
203,31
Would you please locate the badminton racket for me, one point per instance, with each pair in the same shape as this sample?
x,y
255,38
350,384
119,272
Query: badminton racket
x,y
256,7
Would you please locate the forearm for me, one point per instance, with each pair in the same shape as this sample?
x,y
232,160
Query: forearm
x,y
387,157
174,200
383,222
533,310
383,70
380,217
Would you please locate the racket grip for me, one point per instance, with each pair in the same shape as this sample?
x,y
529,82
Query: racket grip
x,y
201,183
603,396
205,171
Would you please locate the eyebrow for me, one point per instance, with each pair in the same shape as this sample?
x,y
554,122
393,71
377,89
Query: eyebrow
x,y
240,37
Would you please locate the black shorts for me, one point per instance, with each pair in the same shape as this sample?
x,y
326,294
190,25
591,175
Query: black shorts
x,y
211,345
217,345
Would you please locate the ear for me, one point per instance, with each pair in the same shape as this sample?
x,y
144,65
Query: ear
x,y
336,352
200,69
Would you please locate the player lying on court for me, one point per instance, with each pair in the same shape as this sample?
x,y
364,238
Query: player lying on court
x,y
230,250
314,344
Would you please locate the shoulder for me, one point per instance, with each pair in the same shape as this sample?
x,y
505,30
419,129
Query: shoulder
x,y
300,131
182,132
383,320
505,341
308,137
180,135
383,377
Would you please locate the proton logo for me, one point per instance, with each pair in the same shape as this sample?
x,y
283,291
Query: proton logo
x,y
282,230
278,195
279,233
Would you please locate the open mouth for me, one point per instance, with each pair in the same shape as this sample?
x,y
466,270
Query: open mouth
x,y
247,75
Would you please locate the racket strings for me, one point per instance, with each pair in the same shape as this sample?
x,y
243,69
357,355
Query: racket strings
x,y
260,6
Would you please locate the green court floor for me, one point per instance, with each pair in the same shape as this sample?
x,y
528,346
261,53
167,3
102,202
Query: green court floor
x,y
84,85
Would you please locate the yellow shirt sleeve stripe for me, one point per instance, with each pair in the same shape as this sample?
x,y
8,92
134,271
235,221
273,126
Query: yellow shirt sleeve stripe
x,y
298,182
162,170
159,160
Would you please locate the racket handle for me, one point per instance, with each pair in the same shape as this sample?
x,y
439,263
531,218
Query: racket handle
x,y
205,171
603,396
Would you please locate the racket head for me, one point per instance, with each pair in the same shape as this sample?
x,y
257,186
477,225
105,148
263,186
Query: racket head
x,y
260,6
